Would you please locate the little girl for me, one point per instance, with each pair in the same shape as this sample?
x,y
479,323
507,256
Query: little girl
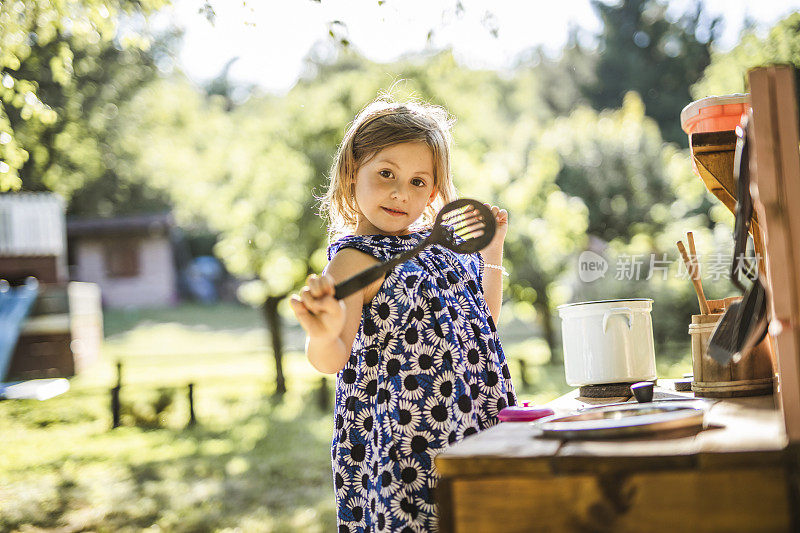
x,y
417,359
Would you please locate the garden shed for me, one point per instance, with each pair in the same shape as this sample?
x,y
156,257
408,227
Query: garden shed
x,y
131,258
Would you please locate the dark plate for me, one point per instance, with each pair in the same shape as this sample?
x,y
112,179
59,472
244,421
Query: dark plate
x,y
621,421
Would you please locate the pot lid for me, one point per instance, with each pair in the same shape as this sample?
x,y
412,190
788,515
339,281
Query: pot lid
x,y
562,306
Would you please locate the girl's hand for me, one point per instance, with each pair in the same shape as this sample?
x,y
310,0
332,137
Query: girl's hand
x,y
494,250
318,312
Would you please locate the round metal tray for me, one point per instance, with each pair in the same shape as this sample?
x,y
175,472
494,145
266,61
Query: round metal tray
x,y
621,421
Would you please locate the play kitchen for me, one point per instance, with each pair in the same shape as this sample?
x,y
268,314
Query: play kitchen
x,y
718,450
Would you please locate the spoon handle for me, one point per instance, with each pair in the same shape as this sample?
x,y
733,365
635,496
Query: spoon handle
x,y
367,276
701,299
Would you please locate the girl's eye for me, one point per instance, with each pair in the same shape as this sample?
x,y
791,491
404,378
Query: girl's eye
x,y
418,182
385,173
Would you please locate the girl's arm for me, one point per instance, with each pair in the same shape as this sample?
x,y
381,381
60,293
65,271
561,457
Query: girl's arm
x,y
330,324
493,255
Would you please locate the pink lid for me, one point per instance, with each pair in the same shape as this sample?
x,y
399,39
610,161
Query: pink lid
x,y
524,413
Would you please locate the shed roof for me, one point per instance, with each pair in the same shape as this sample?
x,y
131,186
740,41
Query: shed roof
x,y
144,224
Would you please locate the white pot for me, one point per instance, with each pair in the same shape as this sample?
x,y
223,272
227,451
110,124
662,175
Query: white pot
x,y
608,341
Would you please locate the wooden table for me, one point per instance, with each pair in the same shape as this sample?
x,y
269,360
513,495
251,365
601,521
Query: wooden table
x,y
736,475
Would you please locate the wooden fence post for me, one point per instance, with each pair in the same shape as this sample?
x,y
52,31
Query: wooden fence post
x,y
115,403
523,373
323,394
192,419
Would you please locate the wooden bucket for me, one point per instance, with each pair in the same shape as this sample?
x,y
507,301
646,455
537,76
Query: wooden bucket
x,y
752,375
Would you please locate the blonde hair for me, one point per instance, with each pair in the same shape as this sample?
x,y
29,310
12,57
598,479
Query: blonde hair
x,y
381,124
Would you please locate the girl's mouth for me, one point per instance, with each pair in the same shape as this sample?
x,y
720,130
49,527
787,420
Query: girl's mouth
x,y
393,212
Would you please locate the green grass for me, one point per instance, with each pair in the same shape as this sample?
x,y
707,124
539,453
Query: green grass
x,y
252,463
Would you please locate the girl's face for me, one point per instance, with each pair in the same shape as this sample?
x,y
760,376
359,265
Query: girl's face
x,y
394,188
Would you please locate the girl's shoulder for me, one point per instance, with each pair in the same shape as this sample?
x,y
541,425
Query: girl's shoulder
x,y
381,247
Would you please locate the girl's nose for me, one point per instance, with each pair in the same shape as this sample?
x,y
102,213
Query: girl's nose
x,y
399,192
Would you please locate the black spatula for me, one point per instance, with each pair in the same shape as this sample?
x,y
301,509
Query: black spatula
x,y
744,323
464,226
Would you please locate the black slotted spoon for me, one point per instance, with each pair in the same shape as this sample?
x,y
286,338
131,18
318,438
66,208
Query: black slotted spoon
x,y
464,226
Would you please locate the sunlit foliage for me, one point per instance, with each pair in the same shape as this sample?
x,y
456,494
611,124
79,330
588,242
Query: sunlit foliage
x,y
53,62
728,70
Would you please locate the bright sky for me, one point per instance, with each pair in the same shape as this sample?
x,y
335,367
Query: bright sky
x,y
271,37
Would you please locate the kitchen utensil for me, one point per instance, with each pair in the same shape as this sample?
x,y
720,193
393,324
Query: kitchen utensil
x,y
643,391
608,341
656,401
751,376
464,226
692,250
744,323
696,263
621,421
698,288
523,413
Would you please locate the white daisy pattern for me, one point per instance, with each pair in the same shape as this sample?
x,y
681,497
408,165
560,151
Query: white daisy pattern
x,y
491,384
385,310
353,453
444,384
437,413
411,474
402,295
353,402
388,484
412,385
424,361
474,359
463,305
438,333
426,370
420,444
404,508
365,421
356,508
341,480
406,416
381,520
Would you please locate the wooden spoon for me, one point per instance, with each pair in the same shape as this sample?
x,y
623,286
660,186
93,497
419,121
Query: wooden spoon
x,y
696,263
698,288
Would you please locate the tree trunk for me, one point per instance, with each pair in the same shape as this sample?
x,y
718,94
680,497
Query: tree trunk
x,y
274,325
542,307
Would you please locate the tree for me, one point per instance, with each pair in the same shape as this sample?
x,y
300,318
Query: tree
x,y
45,48
617,183
612,161
641,50
727,72
556,82
549,231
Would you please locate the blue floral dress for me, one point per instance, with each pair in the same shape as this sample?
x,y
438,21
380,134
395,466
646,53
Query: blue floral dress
x,y
426,370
